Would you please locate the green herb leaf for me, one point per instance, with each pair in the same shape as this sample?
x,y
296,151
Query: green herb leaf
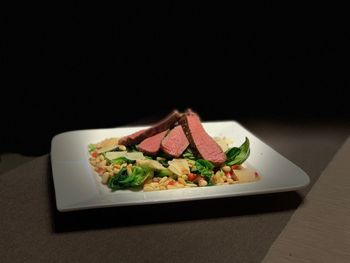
x,y
163,173
121,160
163,155
238,155
91,147
123,180
142,175
113,182
205,164
132,148
188,154
205,168
163,162
232,153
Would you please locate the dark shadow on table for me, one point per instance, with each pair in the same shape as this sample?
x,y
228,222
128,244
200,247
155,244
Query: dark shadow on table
x,y
168,212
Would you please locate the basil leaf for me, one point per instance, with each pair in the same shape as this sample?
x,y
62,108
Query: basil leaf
x,y
238,155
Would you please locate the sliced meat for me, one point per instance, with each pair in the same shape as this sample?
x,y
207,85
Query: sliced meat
x,y
151,145
127,140
201,142
175,142
165,124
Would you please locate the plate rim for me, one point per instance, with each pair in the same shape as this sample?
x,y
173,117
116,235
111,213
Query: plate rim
x,y
98,201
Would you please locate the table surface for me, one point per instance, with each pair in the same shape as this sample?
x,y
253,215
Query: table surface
x,y
319,230
239,229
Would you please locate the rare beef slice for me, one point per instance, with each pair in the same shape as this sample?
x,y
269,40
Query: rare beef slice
x,y
175,143
151,145
163,125
200,141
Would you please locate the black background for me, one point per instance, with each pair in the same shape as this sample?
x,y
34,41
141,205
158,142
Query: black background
x,y
76,66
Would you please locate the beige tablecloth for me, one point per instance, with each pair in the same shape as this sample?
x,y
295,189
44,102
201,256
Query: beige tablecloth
x,y
319,231
239,229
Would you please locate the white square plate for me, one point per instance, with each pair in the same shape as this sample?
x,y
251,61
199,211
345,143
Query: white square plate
x,y
78,187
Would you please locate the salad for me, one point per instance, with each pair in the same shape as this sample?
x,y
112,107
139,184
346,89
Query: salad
x,y
174,153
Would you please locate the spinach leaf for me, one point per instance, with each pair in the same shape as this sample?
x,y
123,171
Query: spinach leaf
x,y
163,173
194,170
123,180
232,153
91,147
163,162
121,160
132,148
137,177
113,182
163,155
238,155
200,163
188,154
141,175
205,168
